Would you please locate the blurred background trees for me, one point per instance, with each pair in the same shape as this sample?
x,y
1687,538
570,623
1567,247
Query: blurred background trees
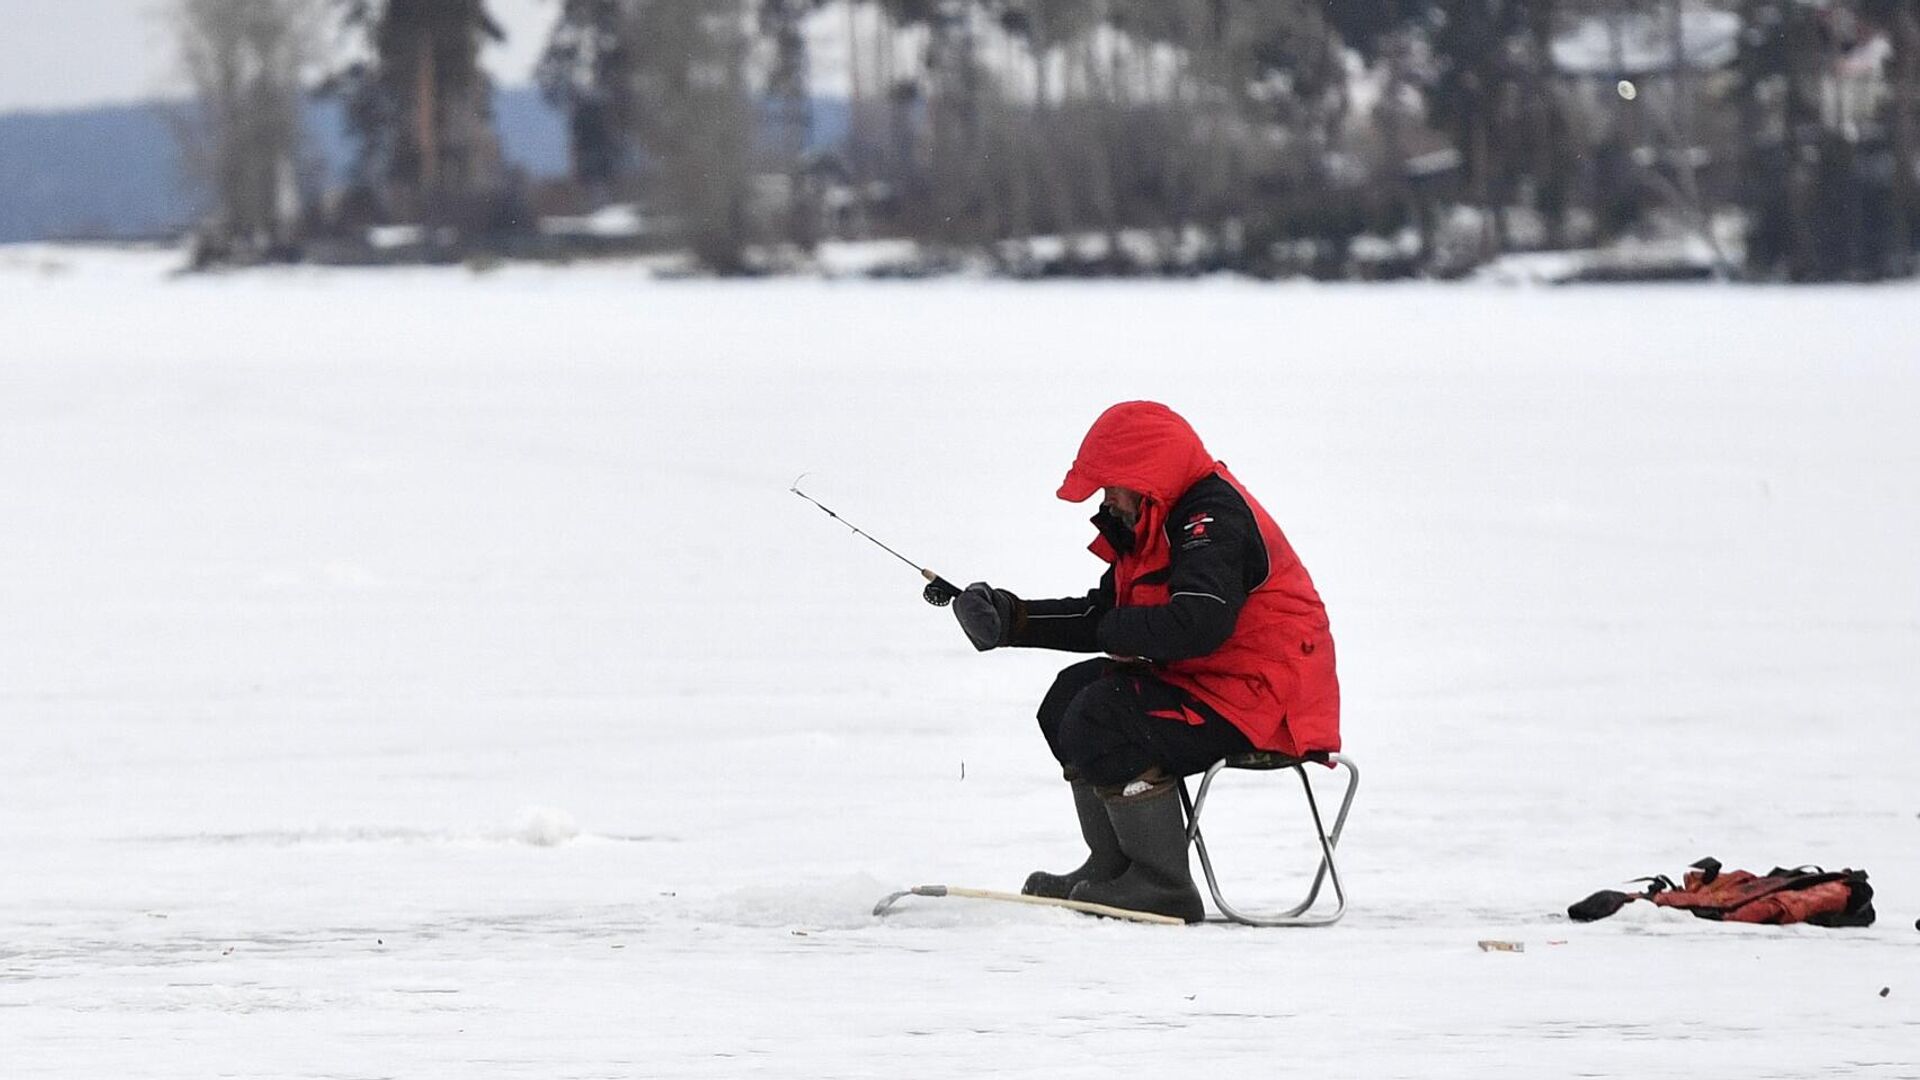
x,y
420,110
1361,139
243,142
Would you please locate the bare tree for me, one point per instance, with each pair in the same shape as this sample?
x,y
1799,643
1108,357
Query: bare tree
x,y
789,95
1906,156
695,122
243,139
1901,20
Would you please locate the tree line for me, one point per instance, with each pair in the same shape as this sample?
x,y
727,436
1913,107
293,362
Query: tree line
x,y
1352,138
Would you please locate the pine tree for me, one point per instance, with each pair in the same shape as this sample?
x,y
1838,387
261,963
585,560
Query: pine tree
x,y
421,107
588,71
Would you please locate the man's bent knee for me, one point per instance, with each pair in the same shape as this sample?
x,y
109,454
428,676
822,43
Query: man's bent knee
x,y
1059,701
1099,737
1066,686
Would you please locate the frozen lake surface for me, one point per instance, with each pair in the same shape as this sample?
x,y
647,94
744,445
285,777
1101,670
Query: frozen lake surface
x,y
421,673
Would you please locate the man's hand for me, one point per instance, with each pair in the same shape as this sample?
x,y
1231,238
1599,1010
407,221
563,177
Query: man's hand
x,y
986,614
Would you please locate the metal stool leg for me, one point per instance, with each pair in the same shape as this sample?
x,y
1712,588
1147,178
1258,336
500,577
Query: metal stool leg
x,y
1328,870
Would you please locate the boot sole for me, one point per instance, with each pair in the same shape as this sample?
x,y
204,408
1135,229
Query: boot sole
x,y
1086,907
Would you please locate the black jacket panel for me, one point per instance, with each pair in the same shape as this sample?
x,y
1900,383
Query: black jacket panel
x,y
1068,624
1216,559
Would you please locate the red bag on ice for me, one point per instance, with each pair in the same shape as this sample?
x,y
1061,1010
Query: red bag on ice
x,y
1805,894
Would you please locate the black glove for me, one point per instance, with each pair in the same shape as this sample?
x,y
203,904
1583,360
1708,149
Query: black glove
x,y
987,615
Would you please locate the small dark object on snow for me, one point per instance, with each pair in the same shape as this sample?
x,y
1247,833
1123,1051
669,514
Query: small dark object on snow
x,y
1885,990
1599,905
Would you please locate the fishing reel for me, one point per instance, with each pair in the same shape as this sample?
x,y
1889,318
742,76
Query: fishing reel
x,y
939,591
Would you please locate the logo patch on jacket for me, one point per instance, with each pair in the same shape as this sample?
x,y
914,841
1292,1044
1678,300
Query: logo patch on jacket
x,y
1196,530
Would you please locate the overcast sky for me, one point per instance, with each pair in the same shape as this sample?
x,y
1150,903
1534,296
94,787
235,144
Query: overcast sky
x,y
60,54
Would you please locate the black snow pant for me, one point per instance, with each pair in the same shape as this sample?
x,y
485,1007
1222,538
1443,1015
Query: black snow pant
x,y
1099,724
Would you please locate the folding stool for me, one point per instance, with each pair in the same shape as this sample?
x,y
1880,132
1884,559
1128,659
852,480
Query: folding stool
x,y
1267,761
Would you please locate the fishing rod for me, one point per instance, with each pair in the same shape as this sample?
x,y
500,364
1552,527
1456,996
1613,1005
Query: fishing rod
x,y
939,591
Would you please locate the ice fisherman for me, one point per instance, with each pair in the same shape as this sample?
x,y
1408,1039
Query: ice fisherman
x,y
1216,643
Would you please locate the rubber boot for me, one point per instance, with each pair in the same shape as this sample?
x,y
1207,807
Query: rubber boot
x,y
1153,835
1104,859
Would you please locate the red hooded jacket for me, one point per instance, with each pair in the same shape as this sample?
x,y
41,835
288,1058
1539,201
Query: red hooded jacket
x,y
1273,675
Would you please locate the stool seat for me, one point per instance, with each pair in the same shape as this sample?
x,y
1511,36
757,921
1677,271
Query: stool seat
x,y
1274,759
1268,761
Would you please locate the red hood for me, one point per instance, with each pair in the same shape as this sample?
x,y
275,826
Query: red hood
x,y
1142,446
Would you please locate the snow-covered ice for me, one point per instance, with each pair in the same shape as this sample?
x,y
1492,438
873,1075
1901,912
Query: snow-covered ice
x,y
422,673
